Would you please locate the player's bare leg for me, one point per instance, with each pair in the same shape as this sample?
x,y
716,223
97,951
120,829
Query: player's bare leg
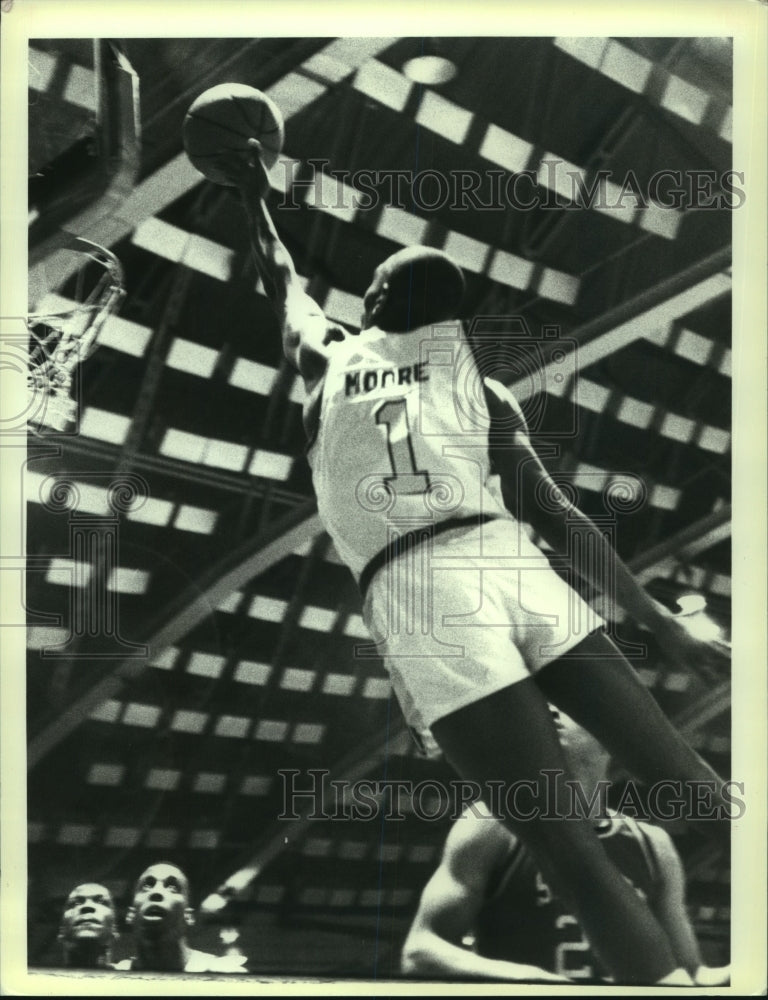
x,y
598,688
509,737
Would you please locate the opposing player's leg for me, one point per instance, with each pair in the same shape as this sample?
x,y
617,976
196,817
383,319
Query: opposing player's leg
x,y
598,688
509,737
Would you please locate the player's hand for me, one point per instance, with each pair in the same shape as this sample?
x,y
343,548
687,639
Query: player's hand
x,y
541,976
245,170
710,659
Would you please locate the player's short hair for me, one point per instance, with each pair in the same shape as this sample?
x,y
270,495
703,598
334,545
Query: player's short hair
x,y
425,286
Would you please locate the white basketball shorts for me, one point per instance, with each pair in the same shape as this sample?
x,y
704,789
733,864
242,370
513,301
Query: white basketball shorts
x,y
469,612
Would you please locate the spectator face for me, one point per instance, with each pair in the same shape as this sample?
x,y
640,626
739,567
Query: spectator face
x,y
160,903
89,916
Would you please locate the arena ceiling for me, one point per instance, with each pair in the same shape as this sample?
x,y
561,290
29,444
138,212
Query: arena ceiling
x,y
189,514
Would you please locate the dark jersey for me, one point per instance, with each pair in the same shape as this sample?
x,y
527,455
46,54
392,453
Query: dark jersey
x,y
524,921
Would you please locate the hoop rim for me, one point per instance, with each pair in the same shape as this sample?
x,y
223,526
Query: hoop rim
x,y
69,334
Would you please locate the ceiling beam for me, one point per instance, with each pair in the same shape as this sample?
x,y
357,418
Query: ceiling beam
x,y
709,706
684,545
283,832
180,616
659,305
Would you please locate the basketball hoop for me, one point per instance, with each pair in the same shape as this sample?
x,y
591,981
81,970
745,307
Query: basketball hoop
x,y
61,340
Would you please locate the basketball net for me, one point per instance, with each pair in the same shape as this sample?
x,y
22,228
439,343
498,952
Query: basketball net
x,y
61,340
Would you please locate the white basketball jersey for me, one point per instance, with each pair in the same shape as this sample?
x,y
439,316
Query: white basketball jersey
x,y
402,441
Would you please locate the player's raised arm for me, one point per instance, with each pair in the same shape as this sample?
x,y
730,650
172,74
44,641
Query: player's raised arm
x,y
451,903
305,330
524,480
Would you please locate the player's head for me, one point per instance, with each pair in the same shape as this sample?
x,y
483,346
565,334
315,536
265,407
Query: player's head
x,y
160,910
414,287
87,930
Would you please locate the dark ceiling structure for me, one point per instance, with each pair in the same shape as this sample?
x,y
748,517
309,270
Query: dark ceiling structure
x,y
193,637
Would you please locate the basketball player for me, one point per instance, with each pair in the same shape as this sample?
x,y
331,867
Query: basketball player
x,y
160,917
488,888
415,508
87,931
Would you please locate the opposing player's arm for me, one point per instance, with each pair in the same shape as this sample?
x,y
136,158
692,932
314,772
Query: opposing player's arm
x,y
669,901
306,332
525,481
670,910
451,903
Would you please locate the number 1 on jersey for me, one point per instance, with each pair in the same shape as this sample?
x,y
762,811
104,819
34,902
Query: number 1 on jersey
x,y
405,478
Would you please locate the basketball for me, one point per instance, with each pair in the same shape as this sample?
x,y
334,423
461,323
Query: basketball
x,y
224,118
